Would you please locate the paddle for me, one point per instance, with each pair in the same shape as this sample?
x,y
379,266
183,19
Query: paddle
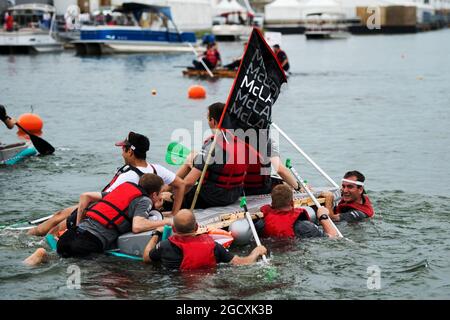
x,y
316,202
42,146
252,226
176,153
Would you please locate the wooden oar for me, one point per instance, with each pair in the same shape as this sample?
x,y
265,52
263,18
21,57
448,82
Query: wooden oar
x,y
42,146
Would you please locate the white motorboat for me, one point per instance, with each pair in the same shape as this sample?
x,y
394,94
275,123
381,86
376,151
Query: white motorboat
x,y
326,26
32,32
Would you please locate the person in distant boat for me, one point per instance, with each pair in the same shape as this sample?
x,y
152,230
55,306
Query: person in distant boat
x,y
134,149
354,205
185,250
281,57
9,22
282,220
224,179
211,57
236,62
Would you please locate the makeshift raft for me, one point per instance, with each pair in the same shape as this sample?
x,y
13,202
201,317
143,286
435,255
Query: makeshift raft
x,y
218,73
218,218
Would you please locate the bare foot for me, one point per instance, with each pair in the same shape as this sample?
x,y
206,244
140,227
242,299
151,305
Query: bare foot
x,y
39,256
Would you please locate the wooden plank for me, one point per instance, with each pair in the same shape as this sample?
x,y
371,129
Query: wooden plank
x,y
218,73
225,220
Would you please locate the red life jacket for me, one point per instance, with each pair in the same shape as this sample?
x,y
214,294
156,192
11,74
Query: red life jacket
x,y
281,223
254,179
231,174
212,57
365,207
124,169
9,23
112,210
198,251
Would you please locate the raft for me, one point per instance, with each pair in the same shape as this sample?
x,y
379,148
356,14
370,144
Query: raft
x,y
217,218
218,73
13,153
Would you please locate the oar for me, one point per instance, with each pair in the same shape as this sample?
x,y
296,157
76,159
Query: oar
x,y
176,153
17,225
311,195
252,226
42,146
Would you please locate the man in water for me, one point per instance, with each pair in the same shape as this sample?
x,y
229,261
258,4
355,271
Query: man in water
x,y
281,57
185,250
354,205
103,217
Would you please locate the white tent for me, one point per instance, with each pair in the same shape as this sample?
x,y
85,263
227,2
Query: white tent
x,y
228,6
322,6
285,10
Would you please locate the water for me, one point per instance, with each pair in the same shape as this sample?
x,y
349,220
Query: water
x,y
378,104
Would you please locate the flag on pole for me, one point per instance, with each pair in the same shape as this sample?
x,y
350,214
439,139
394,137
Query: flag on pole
x,y
256,87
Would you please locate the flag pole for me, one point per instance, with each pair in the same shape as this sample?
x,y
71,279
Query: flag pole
x,y
305,155
202,177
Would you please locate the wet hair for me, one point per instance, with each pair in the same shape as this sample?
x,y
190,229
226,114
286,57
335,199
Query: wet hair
x,y
188,226
151,183
281,196
359,176
216,110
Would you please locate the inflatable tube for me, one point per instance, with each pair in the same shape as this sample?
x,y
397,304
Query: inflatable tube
x,y
241,232
223,237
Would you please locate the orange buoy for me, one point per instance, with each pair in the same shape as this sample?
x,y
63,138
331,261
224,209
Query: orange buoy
x,y
197,92
31,122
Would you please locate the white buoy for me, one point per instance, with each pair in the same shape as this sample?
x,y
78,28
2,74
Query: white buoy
x,y
241,232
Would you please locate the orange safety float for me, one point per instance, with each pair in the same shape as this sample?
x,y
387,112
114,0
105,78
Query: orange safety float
x,y
31,122
197,92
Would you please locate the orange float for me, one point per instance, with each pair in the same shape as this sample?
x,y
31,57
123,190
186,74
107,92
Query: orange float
x,y
197,92
31,122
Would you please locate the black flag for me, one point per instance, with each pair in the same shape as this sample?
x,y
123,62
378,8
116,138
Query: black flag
x,y
256,87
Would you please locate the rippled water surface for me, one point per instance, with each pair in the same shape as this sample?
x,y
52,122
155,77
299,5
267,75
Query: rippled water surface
x,y
378,104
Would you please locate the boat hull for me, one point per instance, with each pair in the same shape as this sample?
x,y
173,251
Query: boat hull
x,y
14,153
28,42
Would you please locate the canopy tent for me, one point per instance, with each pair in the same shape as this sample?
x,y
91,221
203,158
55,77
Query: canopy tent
x,y
226,6
322,6
283,10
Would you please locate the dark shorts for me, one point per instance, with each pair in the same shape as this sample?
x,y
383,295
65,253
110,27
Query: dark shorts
x,y
71,220
77,242
200,204
267,189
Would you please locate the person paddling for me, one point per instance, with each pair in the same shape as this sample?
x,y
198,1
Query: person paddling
x,y
281,57
211,57
185,250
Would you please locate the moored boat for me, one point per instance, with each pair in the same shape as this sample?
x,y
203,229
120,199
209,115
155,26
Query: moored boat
x,y
140,28
32,31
